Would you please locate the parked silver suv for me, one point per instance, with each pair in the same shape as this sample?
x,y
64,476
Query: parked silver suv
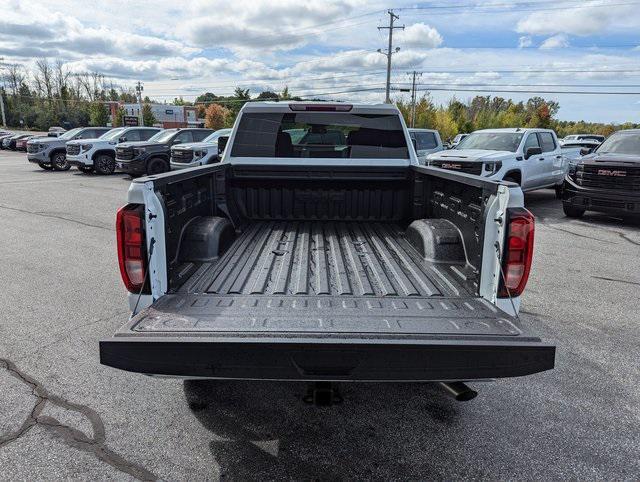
x,y
50,152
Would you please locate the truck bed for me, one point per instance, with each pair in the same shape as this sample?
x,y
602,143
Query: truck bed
x,y
325,277
327,258
312,299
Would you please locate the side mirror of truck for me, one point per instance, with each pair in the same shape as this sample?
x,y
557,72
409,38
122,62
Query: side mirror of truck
x,y
532,151
585,150
222,143
122,139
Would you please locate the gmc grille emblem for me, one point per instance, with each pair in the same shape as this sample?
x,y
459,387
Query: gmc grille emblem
x,y
449,165
610,172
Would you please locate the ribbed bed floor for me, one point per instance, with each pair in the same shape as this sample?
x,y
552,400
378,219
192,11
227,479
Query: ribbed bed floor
x,y
327,258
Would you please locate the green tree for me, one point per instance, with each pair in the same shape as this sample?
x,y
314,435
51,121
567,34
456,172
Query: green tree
x,y
98,114
148,119
207,97
267,95
242,94
285,95
119,119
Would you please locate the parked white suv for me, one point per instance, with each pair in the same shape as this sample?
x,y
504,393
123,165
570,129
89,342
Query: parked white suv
x,y
197,153
425,141
99,154
531,158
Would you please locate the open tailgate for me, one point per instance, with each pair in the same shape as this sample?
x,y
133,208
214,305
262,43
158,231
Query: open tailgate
x,y
325,338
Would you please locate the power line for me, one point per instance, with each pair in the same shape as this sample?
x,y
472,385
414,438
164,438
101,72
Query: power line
x,y
493,8
509,91
513,84
528,71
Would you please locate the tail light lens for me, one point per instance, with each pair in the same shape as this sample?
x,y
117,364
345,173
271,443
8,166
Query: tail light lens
x,y
132,247
518,252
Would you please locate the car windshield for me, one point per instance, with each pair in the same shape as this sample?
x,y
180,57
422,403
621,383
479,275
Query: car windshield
x,y
492,141
214,137
162,136
70,134
320,135
112,134
621,143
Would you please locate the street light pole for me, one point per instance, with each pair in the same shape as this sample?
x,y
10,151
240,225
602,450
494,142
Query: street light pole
x,y
139,89
4,117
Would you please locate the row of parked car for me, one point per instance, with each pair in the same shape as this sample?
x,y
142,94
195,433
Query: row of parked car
x,y
589,173
135,150
586,171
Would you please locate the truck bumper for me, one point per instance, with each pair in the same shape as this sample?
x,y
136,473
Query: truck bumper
x,y
192,341
80,160
348,360
625,204
176,166
38,157
134,166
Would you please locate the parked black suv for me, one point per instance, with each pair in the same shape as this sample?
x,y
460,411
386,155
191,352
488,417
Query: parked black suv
x,y
608,180
152,156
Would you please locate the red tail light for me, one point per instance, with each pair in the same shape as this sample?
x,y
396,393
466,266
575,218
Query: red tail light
x,y
132,248
518,252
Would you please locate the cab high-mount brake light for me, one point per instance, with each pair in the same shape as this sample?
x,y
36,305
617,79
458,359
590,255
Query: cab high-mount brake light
x,y
132,246
518,252
320,107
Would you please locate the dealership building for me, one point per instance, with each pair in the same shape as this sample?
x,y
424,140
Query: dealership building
x,y
167,116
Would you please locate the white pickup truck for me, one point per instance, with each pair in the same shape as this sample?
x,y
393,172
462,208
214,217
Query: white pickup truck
x,y
532,158
325,262
195,154
99,154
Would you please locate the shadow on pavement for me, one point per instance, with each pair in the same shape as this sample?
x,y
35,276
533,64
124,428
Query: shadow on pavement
x,y
264,429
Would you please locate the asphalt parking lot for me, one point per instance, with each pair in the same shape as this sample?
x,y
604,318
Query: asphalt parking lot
x,y
63,415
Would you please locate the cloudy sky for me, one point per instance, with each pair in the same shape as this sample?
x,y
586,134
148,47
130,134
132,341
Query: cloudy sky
x,y
324,48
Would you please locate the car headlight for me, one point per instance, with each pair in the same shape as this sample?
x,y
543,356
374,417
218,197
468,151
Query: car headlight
x,y
576,171
86,147
492,167
200,153
138,150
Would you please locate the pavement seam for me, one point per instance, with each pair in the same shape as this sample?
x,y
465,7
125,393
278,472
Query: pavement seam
x,y
551,226
95,445
73,330
55,216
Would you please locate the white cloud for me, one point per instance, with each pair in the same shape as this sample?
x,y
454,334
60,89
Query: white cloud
x,y
420,35
556,42
590,18
262,24
525,41
67,37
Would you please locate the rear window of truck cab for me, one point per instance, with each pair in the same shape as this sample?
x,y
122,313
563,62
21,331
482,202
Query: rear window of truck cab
x,y
320,135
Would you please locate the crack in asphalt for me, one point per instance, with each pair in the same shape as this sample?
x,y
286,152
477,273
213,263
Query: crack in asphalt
x,y
551,226
616,280
55,216
73,330
626,237
95,445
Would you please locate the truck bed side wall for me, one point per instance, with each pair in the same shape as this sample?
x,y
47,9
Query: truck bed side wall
x,y
348,193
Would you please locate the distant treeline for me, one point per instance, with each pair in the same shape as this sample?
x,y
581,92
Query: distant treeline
x,y
486,112
50,95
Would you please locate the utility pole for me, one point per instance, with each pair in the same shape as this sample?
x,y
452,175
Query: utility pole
x,y
389,52
413,97
4,117
139,89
